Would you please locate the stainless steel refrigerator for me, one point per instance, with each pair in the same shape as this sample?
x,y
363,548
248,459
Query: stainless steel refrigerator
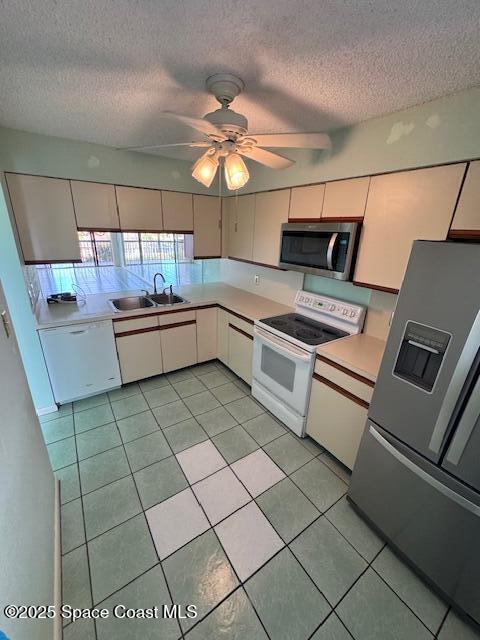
x,y
417,474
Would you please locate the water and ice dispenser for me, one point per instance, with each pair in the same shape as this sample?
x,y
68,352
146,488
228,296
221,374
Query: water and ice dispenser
x,y
421,354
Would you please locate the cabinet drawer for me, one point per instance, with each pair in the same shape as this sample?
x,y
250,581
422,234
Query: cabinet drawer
x,y
362,390
175,318
121,326
336,422
243,325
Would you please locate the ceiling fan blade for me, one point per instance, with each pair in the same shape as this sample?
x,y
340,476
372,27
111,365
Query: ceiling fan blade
x,y
297,140
162,146
272,160
199,124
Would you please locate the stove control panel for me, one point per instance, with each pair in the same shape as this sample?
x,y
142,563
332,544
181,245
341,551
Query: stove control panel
x,y
331,309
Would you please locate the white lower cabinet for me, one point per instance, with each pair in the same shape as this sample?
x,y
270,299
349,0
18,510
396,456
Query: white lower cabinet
x,y
140,355
222,336
336,421
179,346
206,334
240,352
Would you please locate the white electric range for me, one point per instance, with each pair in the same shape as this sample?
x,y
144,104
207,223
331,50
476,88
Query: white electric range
x,y
284,350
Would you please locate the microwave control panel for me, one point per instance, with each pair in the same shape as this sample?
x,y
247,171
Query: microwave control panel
x,y
329,310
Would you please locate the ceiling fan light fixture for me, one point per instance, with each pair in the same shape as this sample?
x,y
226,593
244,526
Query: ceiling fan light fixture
x,y
205,168
236,172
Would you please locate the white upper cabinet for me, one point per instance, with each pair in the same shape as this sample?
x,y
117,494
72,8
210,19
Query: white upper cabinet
x,y
345,198
139,209
177,211
95,205
403,207
239,215
467,215
207,227
271,210
306,202
45,218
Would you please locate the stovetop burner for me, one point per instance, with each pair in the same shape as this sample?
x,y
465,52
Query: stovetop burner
x,y
304,329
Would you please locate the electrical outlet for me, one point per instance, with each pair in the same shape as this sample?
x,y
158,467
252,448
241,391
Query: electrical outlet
x,y
256,279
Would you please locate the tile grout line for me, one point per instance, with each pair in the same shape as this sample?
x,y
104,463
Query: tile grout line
x,y
148,528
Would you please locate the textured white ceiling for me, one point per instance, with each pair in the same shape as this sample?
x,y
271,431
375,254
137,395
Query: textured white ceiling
x,y
101,70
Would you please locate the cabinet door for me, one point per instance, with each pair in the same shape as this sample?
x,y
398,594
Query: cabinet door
x,y
140,355
95,205
222,336
45,219
336,422
179,346
240,214
306,203
271,210
177,211
403,207
139,209
206,334
240,352
467,215
207,231
345,198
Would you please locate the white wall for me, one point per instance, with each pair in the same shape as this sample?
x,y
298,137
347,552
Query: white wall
x,y
280,286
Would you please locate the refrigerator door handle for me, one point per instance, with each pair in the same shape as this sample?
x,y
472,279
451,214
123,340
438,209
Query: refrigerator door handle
x,y
465,427
433,482
457,381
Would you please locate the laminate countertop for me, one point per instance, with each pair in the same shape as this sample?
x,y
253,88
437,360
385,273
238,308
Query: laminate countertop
x,y
361,353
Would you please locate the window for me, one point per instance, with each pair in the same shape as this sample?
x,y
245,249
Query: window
x,y
95,248
144,248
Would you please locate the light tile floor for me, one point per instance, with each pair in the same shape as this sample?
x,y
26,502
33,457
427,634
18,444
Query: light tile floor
x,y
184,489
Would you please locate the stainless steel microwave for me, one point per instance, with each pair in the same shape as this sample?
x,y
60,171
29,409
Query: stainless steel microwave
x,y
322,248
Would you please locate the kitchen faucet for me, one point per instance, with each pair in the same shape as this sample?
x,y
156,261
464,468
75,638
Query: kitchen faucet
x,y
155,281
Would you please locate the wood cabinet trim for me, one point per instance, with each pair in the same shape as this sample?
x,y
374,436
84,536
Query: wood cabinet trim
x,y
258,264
244,333
349,372
341,390
464,234
166,312
377,287
76,260
132,332
237,315
205,257
162,327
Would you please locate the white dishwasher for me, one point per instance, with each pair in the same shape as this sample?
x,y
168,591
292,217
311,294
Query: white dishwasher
x,y
81,359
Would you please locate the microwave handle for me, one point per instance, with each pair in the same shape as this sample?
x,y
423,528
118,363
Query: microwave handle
x,y
331,247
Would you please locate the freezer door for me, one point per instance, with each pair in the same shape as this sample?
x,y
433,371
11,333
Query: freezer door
x,y
428,516
463,455
433,341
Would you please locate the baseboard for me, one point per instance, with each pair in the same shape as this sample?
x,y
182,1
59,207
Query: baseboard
x,y
44,410
57,566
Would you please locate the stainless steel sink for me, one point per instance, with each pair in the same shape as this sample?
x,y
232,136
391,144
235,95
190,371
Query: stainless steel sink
x,y
166,298
132,302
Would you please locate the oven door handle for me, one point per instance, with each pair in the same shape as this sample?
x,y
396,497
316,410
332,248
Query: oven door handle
x,y
289,350
331,247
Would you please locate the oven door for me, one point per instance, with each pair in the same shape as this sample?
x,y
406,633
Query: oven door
x,y
283,369
324,249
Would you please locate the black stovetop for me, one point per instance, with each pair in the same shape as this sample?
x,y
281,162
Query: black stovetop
x,y
304,329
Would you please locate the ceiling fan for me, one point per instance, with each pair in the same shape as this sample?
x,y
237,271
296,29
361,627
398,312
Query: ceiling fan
x,y
226,138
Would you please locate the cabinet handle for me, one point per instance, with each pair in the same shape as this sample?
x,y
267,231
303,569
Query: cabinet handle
x,y
6,324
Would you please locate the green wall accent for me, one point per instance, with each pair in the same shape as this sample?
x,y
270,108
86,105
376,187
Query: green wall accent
x,y
38,154
23,320
337,289
437,132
